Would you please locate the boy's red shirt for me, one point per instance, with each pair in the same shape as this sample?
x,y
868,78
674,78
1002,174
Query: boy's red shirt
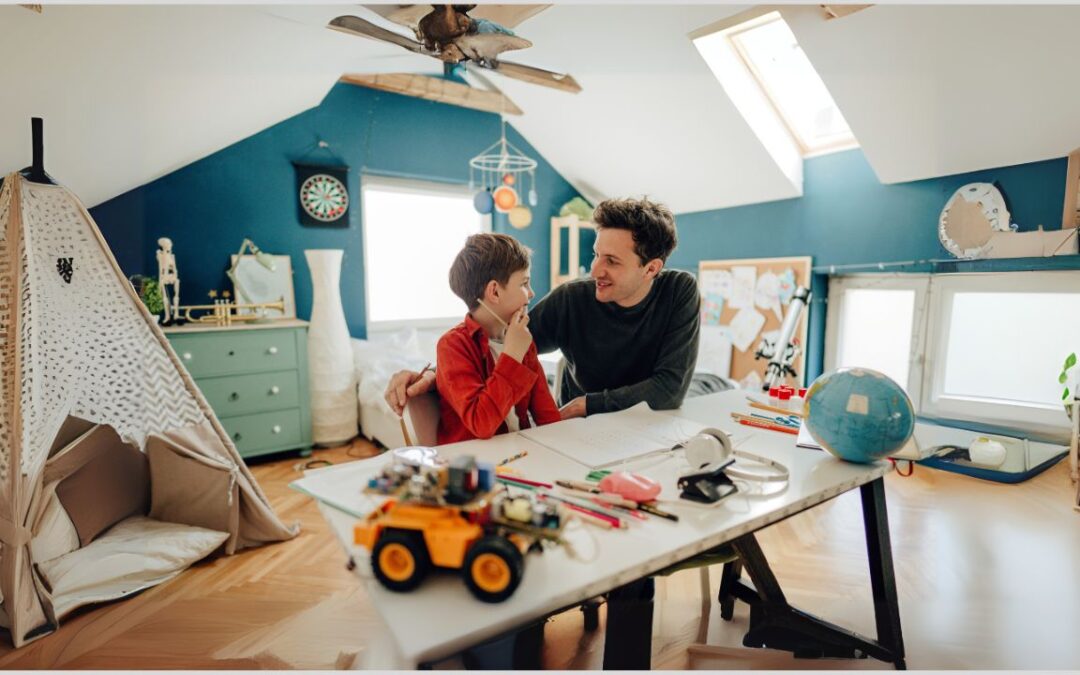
x,y
476,392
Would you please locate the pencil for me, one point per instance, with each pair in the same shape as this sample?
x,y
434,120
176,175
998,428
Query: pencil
x,y
522,481
770,427
590,517
521,454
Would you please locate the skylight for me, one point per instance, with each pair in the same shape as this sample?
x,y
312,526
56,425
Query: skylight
x,y
768,49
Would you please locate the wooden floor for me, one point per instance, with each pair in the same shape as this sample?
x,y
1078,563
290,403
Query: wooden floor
x,y
988,577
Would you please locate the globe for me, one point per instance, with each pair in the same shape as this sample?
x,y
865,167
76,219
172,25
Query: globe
x,y
858,414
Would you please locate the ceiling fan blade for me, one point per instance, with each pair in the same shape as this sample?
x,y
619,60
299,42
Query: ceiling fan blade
x,y
354,25
547,78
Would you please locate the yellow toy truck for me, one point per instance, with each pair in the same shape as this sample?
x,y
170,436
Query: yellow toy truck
x,y
453,518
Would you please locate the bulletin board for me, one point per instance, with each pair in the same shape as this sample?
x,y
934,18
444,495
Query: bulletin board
x,y
744,301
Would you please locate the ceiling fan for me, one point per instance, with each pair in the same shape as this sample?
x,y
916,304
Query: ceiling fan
x,y
448,33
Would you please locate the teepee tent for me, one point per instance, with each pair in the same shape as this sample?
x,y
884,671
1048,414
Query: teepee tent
x,y
115,475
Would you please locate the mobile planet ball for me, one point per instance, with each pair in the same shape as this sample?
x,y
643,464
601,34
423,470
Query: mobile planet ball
x,y
483,201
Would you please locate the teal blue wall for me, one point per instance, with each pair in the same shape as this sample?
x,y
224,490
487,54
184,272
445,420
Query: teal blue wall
x,y
248,190
846,216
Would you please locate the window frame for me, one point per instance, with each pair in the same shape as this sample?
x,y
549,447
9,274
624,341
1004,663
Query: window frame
x,y
919,283
1049,421
414,186
805,148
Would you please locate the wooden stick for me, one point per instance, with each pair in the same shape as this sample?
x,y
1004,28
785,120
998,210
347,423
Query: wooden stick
x,y
772,408
405,431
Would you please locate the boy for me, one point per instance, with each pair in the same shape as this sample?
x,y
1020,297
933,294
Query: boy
x,y
489,377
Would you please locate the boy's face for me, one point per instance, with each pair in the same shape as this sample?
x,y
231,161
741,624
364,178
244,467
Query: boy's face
x,y
514,295
618,271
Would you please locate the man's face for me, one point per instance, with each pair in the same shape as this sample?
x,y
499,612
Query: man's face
x,y
619,273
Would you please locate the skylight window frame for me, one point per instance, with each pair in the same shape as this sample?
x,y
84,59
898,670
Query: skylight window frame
x,y
731,35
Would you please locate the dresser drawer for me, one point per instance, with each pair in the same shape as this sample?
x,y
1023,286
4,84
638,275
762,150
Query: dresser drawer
x,y
254,434
246,394
236,352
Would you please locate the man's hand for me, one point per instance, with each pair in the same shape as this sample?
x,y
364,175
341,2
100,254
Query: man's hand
x,y
575,408
404,385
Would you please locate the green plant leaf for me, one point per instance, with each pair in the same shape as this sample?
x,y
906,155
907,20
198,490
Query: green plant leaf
x,y
1065,394
1070,361
1062,377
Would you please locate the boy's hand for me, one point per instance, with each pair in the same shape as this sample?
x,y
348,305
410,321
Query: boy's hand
x,y
406,384
518,338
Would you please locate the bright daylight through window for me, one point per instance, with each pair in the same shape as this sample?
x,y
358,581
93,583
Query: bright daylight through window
x,y
412,231
767,48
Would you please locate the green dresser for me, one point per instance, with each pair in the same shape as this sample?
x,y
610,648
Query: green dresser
x,y
255,377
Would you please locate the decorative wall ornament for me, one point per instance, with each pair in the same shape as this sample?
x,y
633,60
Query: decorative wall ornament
x,y
975,224
333,379
497,170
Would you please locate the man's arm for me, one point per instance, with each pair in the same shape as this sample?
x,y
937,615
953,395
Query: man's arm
x,y
674,368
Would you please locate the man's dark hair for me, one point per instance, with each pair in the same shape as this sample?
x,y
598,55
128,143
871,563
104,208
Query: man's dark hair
x,y
486,257
651,224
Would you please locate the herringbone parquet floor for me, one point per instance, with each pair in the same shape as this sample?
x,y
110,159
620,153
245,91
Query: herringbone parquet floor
x,y
988,577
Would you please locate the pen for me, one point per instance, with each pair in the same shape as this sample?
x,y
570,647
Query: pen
x,y
578,485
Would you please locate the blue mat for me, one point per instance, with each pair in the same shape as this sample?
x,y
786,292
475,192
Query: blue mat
x,y
955,461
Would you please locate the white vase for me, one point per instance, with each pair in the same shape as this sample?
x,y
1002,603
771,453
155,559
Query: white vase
x,y
330,361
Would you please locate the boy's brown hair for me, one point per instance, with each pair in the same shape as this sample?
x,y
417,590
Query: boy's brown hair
x,y
485,257
651,224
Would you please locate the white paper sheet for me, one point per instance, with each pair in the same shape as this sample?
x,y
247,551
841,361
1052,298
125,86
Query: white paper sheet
x,y
745,327
714,351
613,438
767,294
743,282
716,281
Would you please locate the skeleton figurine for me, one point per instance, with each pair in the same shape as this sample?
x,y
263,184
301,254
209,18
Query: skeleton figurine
x,y
167,276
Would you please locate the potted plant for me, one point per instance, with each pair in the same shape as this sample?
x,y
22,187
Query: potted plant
x,y
1070,398
150,293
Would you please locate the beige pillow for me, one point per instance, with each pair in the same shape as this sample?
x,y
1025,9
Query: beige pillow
x,y
112,483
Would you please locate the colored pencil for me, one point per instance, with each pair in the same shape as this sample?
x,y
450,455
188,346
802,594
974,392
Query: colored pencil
x,y
523,481
594,518
772,408
770,427
506,461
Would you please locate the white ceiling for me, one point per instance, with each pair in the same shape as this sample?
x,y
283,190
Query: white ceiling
x,y
937,90
130,93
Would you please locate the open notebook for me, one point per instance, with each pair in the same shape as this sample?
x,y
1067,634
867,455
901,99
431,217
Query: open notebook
x,y
613,438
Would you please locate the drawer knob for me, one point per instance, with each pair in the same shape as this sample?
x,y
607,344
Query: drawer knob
x,y
234,396
232,352
236,437
272,350
275,390
187,356
276,429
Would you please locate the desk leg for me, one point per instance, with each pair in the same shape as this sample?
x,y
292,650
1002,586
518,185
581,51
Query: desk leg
x,y
882,574
628,634
777,625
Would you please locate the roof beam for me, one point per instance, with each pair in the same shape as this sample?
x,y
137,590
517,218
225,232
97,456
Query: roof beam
x,y
840,11
436,89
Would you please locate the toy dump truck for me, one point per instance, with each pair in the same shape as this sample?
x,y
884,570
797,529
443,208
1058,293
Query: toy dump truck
x,y
453,518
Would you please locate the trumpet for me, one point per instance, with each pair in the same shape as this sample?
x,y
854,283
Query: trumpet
x,y
226,313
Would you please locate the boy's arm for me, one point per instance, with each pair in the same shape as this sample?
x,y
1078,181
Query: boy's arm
x,y
674,368
481,404
541,404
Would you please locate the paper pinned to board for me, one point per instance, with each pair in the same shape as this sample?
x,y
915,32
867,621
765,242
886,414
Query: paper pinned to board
x,y
717,282
786,286
613,438
745,327
714,350
743,282
712,306
767,294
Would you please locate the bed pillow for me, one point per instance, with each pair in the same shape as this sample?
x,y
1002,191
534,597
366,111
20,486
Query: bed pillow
x,y
56,534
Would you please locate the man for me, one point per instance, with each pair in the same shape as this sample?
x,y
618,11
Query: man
x,y
629,333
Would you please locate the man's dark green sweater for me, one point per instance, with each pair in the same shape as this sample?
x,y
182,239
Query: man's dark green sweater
x,y
619,356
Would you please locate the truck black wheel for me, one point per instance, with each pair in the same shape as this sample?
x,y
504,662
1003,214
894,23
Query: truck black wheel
x,y
493,568
400,560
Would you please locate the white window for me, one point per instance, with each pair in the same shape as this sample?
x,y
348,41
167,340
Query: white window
x,y
412,231
768,50
877,322
995,345
983,348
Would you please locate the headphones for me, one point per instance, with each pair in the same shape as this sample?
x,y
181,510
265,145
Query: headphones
x,y
713,446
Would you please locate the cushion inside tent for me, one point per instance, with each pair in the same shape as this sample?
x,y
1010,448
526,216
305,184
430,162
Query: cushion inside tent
x,y
92,540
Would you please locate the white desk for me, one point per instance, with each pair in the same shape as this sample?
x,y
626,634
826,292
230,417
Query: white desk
x,y
442,618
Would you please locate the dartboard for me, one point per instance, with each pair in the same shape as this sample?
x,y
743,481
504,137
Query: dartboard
x,y
324,197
